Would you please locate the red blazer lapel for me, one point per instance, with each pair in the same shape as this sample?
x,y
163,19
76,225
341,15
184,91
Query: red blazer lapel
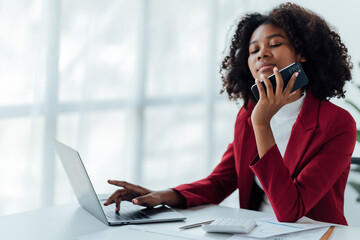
x,y
302,133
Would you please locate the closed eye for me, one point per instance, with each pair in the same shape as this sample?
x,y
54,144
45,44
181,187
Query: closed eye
x,y
275,45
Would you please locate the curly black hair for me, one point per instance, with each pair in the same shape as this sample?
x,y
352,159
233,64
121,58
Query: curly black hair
x,y
327,64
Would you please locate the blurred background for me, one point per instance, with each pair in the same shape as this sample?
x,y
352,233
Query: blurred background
x,y
133,85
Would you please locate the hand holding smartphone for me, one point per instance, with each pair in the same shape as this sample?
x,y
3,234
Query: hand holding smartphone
x,y
286,74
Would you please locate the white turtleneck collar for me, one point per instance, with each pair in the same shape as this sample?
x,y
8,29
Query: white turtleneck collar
x,y
283,121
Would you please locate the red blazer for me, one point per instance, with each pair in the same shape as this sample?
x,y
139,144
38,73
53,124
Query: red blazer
x,y
309,181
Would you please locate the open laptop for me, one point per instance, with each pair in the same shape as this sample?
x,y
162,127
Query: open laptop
x,y
87,198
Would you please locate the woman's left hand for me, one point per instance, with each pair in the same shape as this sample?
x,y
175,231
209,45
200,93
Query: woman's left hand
x,y
270,101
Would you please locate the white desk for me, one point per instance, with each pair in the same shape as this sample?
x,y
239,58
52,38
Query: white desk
x,y
71,221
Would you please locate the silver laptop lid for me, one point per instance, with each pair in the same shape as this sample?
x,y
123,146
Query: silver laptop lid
x,y
80,180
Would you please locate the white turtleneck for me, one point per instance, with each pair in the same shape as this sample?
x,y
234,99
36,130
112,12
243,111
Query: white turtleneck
x,y
281,125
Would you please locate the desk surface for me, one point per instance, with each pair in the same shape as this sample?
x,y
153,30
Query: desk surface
x,y
70,221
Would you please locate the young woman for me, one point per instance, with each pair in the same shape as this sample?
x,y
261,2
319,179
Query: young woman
x,y
290,150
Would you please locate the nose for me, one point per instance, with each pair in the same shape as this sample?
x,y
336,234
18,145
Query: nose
x,y
264,53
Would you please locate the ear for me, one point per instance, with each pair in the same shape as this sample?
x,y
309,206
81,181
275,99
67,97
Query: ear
x,y
300,58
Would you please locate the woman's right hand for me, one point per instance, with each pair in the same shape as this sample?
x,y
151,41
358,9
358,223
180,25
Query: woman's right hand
x,y
142,196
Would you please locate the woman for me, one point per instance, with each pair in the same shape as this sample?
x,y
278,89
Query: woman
x,y
291,150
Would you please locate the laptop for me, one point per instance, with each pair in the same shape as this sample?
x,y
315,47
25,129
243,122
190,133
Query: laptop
x,y
87,198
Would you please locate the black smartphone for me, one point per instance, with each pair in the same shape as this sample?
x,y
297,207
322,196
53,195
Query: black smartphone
x,y
286,74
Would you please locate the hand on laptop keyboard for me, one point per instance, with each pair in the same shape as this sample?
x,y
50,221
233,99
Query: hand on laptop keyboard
x,y
142,196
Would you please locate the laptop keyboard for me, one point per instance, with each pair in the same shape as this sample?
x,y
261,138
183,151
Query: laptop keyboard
x,y
126,216
127,212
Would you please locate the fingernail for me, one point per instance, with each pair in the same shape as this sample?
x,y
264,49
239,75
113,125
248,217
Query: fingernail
x,y
262,76
296,74
257,80
276,69
135,201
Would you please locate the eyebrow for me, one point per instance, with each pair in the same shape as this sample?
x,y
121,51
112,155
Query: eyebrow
x,y
269,37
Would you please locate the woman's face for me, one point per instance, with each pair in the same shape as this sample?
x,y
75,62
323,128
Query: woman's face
x,y
269,47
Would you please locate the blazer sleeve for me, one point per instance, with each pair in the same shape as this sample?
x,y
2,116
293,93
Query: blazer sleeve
x,y
291,198
216,187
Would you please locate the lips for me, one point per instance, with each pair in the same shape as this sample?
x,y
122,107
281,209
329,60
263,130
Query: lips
x,y
266,66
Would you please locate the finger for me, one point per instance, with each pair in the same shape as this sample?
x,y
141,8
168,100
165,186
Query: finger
x,y
112,198
293,96
279,82
291,83
117,204
120,183
262,93
118,193
269,87
147,201
129,186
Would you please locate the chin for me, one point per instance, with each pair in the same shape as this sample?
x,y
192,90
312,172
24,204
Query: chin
x,y
266,74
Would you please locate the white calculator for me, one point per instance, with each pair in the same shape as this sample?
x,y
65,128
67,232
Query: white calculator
x,y
230,225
